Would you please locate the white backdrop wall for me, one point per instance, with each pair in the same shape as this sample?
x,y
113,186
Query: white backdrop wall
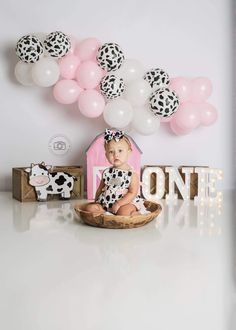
x,y
186,38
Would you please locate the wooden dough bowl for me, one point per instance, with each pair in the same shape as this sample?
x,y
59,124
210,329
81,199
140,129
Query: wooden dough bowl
x,y
117,221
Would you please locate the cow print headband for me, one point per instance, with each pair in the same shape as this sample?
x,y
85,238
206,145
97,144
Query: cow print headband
x,y
116,135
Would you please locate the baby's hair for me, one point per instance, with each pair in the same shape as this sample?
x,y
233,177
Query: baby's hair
x,y
124,138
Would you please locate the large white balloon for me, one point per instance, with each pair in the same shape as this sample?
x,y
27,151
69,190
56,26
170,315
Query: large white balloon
x,y
144,122
138,92
131,70
45,72
118,113
23,73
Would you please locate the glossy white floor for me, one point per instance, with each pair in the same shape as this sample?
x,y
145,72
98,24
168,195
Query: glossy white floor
x,y
178,272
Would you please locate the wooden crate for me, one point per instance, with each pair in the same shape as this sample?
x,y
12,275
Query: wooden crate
x,y
24,192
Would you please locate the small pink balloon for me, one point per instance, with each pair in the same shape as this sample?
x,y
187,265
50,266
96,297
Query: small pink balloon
x,y
66,91
87,49
187,116
68,66
201,89
177,130
91,103
73,42
89,75
208,114
181,86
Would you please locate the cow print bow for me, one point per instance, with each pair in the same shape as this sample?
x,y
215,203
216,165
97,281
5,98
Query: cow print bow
x,y
116,135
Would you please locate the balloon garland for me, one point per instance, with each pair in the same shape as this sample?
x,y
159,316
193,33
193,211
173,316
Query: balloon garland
x,y
102,81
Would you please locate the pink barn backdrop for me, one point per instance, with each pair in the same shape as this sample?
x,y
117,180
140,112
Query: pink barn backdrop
x,y
97,162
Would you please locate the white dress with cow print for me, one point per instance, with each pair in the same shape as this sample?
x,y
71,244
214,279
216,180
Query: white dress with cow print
x,y
117,184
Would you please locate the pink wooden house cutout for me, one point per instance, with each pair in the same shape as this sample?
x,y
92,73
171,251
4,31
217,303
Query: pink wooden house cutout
x,y
97,162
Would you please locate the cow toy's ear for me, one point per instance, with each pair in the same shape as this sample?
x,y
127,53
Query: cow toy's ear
x,y
32,165
28,169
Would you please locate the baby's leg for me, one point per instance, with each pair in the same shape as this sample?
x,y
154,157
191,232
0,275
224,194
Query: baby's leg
x,y
127,210
94,208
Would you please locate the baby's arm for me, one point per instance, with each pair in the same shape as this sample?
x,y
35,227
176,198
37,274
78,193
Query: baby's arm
x,y
132,192
99,190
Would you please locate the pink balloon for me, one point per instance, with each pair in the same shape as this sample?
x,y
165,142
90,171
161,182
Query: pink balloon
x,y
68,66
73,42
91,103
182,87
87,49
177,130
187,116
201,89
89,75
208,114
168,119
66,91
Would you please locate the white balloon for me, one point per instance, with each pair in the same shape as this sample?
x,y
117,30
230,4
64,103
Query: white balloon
x,y
131,70
23,73
45,72
144,122
138,92
118,113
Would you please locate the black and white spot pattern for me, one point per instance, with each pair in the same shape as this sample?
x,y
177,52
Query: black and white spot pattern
x,y
57,44
157,78
54,183
116,135
164,102
110,56
112,86
116,182
29,49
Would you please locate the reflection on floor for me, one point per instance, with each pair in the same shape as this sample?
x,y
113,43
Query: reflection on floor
x,y
205,218
177,272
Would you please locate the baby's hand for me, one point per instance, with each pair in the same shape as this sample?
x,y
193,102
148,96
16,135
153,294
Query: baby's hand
x,y
115,207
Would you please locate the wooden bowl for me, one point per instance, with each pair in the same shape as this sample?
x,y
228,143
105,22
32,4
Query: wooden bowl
x,y
117,221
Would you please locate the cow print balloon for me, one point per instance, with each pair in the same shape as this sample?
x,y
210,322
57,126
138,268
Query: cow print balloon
x,y
164,102
157,78
29,49
110,56
112,87
57,44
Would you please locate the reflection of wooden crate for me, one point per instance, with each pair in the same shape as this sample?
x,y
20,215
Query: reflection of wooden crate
x,y
24,192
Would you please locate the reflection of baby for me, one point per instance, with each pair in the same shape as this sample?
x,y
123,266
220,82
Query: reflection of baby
x,y
118,190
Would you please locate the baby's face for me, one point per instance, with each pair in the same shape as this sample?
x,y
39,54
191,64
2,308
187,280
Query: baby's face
x,y
117,153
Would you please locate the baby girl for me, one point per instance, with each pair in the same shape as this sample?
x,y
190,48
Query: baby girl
x,y
118,189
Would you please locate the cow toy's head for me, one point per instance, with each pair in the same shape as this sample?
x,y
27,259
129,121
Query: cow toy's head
x,y
38,174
